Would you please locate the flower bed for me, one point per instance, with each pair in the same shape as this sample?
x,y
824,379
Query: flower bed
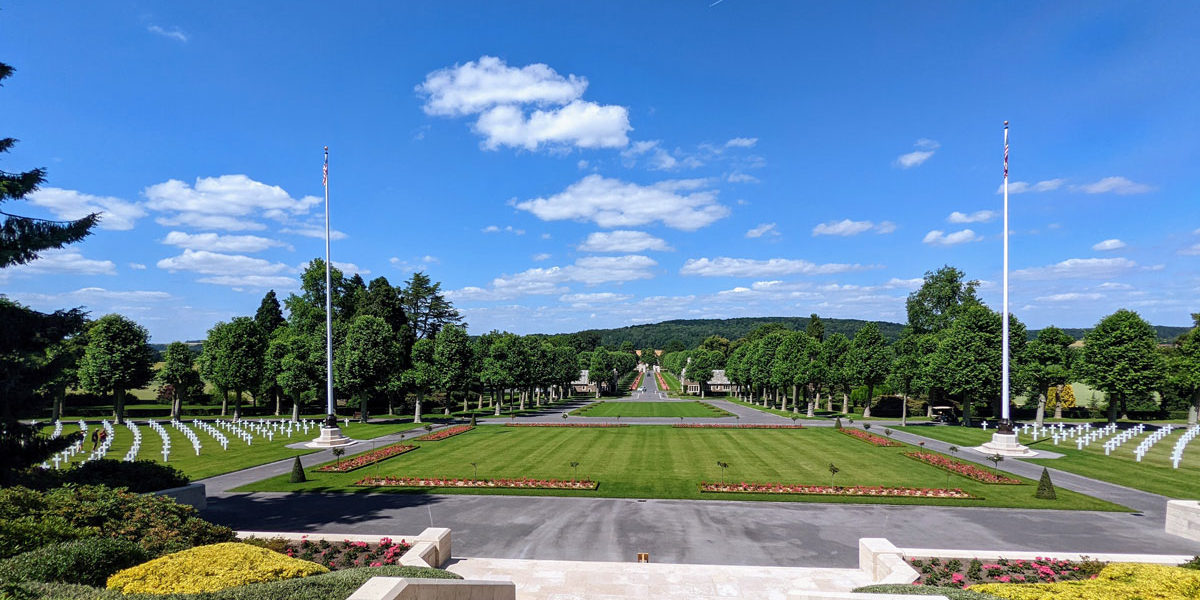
x,y
724,426
347,554
959,573
836,490
869,438
442,434
359,461
447,482
210,568
566,425
959,467
1117,581
662,383
637,382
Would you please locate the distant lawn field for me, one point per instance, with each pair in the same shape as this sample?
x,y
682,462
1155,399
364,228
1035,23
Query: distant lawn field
x,y
212,460
650,409
667,462
1154,474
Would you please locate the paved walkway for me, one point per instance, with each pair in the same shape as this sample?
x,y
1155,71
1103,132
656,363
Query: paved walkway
x,y
572,580
701,531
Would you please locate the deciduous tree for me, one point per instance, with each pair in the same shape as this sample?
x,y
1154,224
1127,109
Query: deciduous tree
x,y
1120,357
118,358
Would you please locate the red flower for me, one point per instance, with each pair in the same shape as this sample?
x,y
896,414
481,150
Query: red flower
x,y
868,437
359,461
444,433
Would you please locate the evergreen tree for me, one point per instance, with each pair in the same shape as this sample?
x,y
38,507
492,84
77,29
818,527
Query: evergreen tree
x,y
269,316
1045,489
297,472
816,328
118,358
427,308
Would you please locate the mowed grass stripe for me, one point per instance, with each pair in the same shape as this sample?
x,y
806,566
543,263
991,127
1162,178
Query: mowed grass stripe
x,y
664,462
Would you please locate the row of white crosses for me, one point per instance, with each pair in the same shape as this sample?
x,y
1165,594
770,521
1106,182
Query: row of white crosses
x,y
166,438
1099,434
1057,431
99,453
235,427
1181,443
213,431
188,433
1124,436
137,441
1144,446
54,435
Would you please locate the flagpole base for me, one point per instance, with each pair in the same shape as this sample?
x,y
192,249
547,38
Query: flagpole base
x,y
1005,444
331,437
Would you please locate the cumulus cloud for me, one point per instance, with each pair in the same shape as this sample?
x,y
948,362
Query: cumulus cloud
x,y
772,267
739,177
1113,244
505,229
1070,297
260,282
1193,250
137,266
938,237
1078,268
228,202
1023,187
681,204
761,230
847,227
220,243
1114,185
115,213
215,263
925,149
658,158
313,231
979,216
542,256
66,261
500,94
623,241
173,33
590,270
741,142
596,298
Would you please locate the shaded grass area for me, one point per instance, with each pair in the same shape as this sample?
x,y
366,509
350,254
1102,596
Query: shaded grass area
x,y
1154,474
650,409
820,413
666,462
212,460
673,385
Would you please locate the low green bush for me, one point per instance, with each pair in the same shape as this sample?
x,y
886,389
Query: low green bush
x,y
1193,564
157,523
338,584
138,476
952,593
87,561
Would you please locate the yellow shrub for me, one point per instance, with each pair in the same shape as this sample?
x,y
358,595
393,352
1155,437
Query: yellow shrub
x,y
1117,581
210,568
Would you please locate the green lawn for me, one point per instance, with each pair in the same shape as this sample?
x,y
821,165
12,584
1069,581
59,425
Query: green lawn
x,y
212,460
650,409
673,386
666,462
1153,474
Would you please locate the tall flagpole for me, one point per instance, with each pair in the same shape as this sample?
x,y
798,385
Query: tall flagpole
x,y
331,413
1005,422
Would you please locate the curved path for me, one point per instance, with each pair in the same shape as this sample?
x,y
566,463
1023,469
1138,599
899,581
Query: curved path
x,y
701,531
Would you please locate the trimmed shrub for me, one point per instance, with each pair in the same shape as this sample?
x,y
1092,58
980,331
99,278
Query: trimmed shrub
x,y
952,593
338,584
837,423
297,472
139,476
88,561
210,568
1045,489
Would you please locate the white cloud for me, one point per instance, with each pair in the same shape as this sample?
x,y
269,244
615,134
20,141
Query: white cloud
x,y
680,204
1070,297
1112,285
116,214
659,159
941,238
739,177
228,202
748,267
429,259
498,93
213,263
980,216
1078,268
314,231
590,270
1022,187
1114,185
926,148
846,227
349,268
506,229
1113,244
66,261
252,281
173,33
623,241
761,230
741,142
542,256
596,298
582,164
1193,250
137,266
220,243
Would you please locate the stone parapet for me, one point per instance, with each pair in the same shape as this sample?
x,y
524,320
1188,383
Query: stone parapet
x,y
1183,519
407,588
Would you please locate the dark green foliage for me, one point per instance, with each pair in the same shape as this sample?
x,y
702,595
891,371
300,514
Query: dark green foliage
x,y
88,561
1121,358
1045,489
338,584
157,523
269,316
681,334
1193,564
837,423
472,420
297,472
952,593
139,476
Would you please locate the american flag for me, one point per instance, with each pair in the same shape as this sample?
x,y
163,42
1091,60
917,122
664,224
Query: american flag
x,y
1006,149
325,168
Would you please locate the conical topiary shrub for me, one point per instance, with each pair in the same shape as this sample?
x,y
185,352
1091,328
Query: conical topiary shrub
x,y
1045,489
298,472
837,423
472,420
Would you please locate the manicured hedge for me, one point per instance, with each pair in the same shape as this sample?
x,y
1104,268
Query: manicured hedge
x,y
952,593
87,561
211,568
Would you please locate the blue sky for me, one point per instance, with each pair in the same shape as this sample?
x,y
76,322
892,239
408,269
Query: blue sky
x,y
598,164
